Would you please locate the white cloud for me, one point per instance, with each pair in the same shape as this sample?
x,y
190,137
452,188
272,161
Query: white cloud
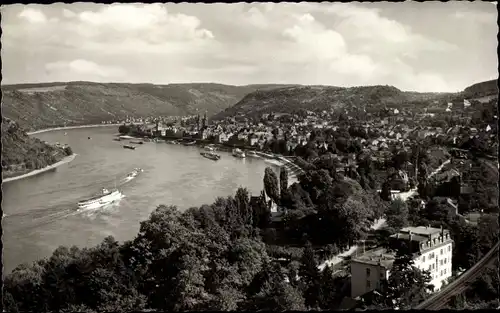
x,y
309,43
33,15
68,13
84,67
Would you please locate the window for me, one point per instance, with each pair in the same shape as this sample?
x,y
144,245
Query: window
x,y
441,273
368,272
441,262
433,267
449,248
423,258
445,271
368,284
430,268
444,260
441,251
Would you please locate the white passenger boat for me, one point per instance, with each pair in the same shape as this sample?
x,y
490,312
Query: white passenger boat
x,y
106,197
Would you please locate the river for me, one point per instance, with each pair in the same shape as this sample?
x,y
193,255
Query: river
x,y
40,211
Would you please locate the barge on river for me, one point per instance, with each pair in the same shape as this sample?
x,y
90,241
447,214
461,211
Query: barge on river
x,y
211,155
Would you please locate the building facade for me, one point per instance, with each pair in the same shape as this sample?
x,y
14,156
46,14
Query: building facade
x,y
432,251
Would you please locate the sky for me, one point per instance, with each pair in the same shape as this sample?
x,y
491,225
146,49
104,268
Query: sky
x,y
428,47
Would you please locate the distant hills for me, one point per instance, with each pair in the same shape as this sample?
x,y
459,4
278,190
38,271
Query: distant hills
x,y
316,98
38,106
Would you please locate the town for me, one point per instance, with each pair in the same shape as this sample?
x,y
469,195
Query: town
x,y
421,160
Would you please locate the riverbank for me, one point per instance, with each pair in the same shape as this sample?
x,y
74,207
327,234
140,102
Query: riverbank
x,y
45,169
70,127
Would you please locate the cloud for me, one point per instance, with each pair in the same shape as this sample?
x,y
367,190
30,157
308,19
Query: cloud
x,y
33,15
341,44
84,67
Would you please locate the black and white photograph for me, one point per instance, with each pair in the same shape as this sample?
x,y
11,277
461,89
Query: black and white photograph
x,y
287,156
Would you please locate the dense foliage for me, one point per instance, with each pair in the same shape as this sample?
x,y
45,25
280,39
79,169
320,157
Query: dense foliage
x,y
216,257
22,153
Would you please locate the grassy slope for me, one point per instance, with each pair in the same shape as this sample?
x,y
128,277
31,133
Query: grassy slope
x,y
22,154
37,106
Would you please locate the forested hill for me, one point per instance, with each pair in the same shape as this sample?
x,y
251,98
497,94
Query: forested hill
x,y
38,106
487,88
290,99
318,98
22,153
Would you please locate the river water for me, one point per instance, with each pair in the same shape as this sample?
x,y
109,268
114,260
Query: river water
x,y
40,212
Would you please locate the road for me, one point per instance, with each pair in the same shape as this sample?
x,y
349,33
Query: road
x,y
440,299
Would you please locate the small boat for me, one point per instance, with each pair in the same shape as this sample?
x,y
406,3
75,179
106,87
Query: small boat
x,y
137,142
106,197
209,148
192,143
89,138
134,173
117,139
210,155
252,154
129,147
65,134
239,153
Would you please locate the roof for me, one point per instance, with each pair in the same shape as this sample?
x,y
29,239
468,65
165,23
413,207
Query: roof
x,y
421,230
378,256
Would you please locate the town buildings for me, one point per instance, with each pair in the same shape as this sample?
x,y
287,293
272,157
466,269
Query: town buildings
x,y
431,249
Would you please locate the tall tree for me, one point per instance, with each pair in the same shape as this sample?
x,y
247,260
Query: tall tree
x,y
310,277
271,185
283,181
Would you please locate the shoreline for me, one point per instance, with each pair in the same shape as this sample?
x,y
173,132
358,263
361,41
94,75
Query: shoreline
x,y
65,160
70,127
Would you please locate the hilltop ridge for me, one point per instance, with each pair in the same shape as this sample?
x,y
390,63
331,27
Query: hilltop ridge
x,y
317,98
38,106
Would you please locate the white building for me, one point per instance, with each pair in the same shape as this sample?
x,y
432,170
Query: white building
x,y
432,250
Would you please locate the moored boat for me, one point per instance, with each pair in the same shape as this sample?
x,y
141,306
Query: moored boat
x,y
137,142
238,153
210,155
106,197
192,143
117,139
252,154
129,147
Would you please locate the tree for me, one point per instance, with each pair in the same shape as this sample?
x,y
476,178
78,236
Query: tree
x,y
271,184
309,277
385,194
124,129
283,181
397,214
407,286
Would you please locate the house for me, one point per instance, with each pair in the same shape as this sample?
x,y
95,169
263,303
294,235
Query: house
x,y
369,270
431,249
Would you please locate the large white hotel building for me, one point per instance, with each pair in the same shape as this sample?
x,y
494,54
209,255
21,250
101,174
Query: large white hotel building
x,y
432,250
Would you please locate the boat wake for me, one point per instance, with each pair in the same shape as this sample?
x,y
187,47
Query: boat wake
x,y
38,218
